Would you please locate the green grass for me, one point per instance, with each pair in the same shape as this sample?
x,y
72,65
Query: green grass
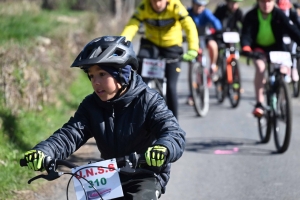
x,y
23,24
19,134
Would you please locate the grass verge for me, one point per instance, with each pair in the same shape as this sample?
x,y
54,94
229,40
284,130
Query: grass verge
x,y
20,133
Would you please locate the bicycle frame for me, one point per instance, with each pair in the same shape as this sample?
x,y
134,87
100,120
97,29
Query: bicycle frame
x,y
231,54
229,81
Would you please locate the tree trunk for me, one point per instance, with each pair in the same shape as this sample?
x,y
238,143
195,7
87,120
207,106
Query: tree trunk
x,y
116,8
49,4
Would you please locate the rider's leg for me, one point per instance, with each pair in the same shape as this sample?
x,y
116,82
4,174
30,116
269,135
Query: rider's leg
x,y
259,80
172,74
294,71
212,47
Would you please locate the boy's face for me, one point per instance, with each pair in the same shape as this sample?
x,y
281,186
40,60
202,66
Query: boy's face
x,y
232,5
104,85
198,9
159,5
266,6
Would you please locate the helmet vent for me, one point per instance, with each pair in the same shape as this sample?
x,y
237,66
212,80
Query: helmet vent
x,y
118,52
96,53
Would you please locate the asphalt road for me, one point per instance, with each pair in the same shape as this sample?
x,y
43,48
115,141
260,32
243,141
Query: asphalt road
x,y
224,160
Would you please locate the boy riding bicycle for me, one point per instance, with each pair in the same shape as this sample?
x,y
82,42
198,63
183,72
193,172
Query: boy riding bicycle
x,y
204,18
164,21
263,30
122,114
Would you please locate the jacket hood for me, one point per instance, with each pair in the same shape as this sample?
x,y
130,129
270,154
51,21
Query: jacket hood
x,y
137,85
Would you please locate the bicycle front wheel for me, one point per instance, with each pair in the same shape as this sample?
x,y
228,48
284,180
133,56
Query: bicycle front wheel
x,y
234,86
264,122
220,84
282,120
199,89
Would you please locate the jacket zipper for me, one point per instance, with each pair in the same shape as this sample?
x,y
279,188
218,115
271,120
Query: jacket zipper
x,y
114,132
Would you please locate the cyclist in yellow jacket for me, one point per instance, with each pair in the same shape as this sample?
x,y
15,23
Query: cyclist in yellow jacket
x,y
164,21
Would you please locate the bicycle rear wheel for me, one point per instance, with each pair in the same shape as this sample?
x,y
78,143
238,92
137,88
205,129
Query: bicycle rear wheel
x,y
282,120
199,89
234,88
220,84
264,122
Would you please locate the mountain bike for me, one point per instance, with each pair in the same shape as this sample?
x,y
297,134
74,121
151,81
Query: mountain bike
x,y
198,76
229,77
294,49
278,108
97,180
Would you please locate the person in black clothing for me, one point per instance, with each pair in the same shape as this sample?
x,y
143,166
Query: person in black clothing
x,y
123,115
286,7
230,15
263,29
297,8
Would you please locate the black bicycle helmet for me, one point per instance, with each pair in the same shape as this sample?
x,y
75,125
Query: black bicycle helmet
x,y
112,51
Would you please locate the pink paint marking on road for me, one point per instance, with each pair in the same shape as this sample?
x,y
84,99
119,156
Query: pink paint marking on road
x,y
226,152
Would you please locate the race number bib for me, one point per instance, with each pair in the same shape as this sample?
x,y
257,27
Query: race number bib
x,y
281,57
153,68
231,37
103,176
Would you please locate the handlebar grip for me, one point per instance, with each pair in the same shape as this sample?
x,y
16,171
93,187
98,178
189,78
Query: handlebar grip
x,y
23,162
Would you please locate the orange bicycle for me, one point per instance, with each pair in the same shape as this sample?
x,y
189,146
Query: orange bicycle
x,y
229,78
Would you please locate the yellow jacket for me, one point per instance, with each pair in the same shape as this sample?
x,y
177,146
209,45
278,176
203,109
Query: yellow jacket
x,y
163,29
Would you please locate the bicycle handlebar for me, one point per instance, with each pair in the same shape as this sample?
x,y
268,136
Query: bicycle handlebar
x,y
261,55
129,166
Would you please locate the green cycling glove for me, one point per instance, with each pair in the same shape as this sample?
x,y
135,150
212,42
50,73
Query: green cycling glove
x,y
190,55
34,159
156,155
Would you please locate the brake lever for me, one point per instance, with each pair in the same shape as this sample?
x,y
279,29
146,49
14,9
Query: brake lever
x,y
50,166
48,177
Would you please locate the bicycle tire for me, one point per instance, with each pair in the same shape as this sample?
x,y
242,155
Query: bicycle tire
x,y
199,89
284,115
220,84
234,88
265,122
157,84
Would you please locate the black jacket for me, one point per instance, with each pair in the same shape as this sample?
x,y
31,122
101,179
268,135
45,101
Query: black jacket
x,y
294,18
229,20
130,123
280,26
